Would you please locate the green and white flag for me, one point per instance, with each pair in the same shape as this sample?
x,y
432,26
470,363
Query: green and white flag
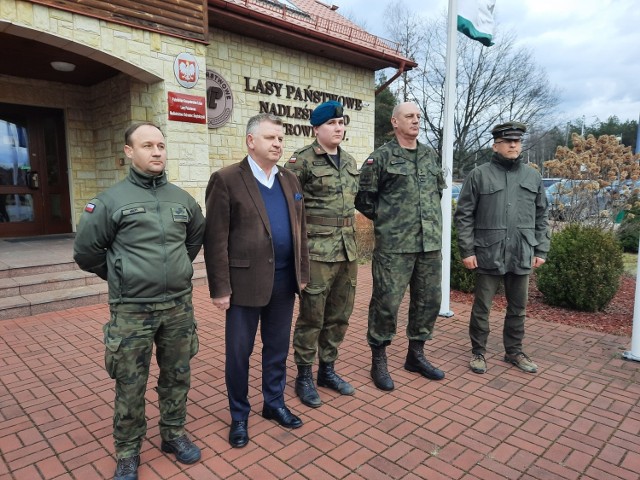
x,y
475,20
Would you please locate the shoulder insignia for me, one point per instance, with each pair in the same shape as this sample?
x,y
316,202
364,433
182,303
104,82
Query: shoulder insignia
x,y
369,161
89,207
293,159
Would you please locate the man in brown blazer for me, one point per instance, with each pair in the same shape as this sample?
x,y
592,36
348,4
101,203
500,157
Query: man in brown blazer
x,y
257,260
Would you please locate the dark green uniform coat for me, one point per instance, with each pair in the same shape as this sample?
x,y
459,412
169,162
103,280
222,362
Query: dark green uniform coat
x,y
501,218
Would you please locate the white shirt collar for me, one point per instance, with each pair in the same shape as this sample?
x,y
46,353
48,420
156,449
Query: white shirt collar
x,y
260,175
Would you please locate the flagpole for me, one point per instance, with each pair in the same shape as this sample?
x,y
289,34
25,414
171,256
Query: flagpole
x,y
447,154
634,353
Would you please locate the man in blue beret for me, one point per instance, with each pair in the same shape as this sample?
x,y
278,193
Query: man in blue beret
x,y
329,179
501,219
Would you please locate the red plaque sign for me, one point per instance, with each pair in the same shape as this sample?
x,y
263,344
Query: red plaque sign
x,y
187,108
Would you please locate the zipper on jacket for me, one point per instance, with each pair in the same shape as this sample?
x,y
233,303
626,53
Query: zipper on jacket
x,y
164,237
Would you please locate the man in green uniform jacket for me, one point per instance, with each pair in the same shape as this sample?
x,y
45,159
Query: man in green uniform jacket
x,y
141,235
329,179
401,185
503,234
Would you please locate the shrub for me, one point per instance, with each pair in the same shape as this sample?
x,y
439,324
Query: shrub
x,y
629,231
582,270
462,279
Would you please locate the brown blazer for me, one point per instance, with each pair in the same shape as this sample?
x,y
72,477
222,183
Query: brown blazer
x,y
238,249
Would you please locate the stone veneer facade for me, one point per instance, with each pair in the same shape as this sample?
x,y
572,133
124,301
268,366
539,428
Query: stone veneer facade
x,y
97,116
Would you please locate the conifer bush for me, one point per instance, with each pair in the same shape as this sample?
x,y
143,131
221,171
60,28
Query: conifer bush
x,y
582,270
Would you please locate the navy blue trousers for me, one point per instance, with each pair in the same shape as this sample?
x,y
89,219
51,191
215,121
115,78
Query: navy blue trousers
x,y
275,330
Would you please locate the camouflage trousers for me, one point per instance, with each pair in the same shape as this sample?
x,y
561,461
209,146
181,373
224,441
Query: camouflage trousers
x,y
392,274
325,307
129,337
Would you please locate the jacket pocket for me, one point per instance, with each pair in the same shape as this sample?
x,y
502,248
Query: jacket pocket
x,y
489,247
195,342
323,181
397,166
111,353
239,262
528,243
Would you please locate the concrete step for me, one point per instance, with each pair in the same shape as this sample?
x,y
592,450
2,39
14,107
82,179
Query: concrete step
x,y
26,295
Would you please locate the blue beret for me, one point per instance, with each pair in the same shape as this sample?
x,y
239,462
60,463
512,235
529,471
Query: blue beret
x,y
325,112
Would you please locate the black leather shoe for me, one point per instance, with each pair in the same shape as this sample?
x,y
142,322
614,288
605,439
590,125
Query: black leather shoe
x,y
127,468
283,416
239,433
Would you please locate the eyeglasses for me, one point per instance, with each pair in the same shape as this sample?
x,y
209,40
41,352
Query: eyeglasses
x,y
509,141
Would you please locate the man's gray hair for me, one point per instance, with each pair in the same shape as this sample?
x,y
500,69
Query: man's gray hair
x,y
255,121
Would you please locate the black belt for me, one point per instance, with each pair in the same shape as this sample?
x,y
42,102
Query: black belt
x,y
330,222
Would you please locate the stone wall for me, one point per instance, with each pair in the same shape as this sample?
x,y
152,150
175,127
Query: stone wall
x,y
97,116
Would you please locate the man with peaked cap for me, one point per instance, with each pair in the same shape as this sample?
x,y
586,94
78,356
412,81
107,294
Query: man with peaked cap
x,y
503,234
329,179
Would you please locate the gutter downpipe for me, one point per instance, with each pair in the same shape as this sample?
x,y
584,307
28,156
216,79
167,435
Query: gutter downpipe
x,y
401,70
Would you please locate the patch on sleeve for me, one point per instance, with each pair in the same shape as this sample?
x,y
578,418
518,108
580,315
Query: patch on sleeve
x,y
180,214
89,207
369,161
366,178
293,159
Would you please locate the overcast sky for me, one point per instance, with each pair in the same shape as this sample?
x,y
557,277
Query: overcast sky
x,y
589,48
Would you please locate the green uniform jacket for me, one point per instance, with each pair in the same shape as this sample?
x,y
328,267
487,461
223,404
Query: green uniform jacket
x,y
329,192
400,191
502,218
141,235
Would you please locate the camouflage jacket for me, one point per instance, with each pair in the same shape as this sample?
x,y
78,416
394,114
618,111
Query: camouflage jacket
x,y
501,218
400,191
329,193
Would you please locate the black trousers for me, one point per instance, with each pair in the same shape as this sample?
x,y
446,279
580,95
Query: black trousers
x,y
275,329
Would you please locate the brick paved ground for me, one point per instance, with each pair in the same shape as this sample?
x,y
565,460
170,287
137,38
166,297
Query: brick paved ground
x,y
578,418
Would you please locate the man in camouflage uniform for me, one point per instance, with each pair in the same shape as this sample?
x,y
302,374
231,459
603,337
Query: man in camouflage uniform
x,y
141,235
503,234
329,179
401,185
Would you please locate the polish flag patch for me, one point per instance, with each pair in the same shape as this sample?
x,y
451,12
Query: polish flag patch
x,y
369,161
90,207
292,160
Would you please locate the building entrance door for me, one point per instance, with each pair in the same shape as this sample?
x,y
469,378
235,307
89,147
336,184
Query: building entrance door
x,y
34,185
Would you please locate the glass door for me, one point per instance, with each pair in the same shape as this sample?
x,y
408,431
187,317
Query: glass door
x,y
34,189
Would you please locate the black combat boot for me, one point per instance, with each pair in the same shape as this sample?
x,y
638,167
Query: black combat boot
x,y
416,362
305,389
327,377
379,372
